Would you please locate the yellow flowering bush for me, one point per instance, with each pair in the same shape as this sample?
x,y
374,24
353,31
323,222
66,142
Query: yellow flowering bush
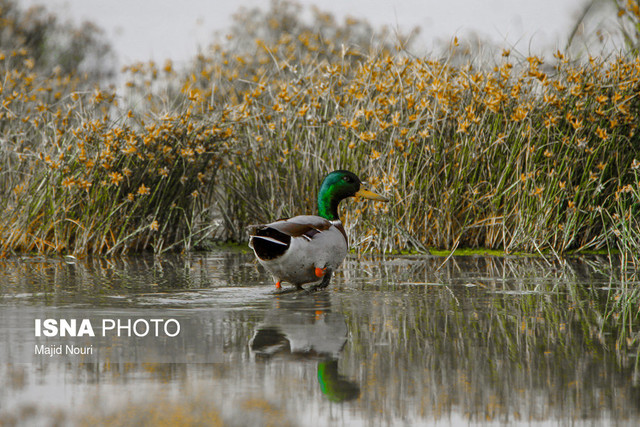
x,y
526,154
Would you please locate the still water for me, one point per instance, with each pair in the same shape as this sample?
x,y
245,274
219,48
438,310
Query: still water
x,y
393,341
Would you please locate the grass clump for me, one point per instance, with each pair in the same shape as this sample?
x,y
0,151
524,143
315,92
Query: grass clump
x,y
79,180
80,174
514,154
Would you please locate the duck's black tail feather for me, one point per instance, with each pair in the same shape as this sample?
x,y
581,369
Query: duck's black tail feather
x,y
269,243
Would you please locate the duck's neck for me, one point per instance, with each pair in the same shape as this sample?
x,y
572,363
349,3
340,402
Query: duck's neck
x,y
328,205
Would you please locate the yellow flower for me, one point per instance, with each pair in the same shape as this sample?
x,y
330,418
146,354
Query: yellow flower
x,y
519,114
550,120
143,190
602,133
116,177
168,66
68,182
601,99
463,126
154,225
367,136
84,184
576,123
623,108
303,110
626,189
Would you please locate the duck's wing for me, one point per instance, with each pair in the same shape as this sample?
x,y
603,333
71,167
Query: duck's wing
x,y
272,240
305,226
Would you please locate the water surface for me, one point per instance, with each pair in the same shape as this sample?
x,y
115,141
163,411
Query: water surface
x,y
393,341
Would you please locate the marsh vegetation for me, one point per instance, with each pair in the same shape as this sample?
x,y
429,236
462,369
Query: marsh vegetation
x,y
515,153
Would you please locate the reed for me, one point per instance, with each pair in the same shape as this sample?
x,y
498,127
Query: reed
x,y
512,153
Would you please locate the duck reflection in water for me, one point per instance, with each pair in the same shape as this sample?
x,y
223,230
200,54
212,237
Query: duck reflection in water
x,y
303,327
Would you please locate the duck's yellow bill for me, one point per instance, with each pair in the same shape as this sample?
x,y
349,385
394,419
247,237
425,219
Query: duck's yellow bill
x,y
366,194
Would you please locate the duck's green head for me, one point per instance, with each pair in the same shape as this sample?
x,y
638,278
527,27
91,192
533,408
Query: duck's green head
x,y
339,185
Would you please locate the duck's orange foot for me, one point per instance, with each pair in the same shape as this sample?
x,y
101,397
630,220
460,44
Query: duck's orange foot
x,y
278,284
320,271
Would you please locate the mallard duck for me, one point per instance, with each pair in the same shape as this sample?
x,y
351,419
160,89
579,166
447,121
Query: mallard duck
x,y
309,248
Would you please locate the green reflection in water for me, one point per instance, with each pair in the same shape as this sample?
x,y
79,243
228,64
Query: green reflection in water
x,y
335,386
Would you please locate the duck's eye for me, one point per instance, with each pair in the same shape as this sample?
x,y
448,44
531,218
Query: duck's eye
x,y
347,179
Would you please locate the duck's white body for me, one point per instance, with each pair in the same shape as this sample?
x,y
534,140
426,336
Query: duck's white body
x,y
300,250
